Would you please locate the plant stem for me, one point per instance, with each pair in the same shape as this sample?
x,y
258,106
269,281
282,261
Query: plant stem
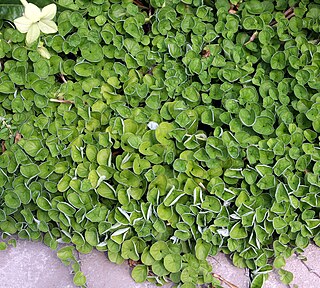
x,y
3,146
254,35
62,101
139,4
17,137
220,278
287,12
290,15
63,79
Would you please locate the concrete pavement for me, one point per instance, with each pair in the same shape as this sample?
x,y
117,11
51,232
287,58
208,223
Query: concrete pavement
x,y
34,265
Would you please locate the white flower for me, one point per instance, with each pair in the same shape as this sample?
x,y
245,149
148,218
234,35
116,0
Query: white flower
x,y
35,20
153,125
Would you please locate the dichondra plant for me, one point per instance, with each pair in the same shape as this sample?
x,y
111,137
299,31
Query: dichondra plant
x,y
162,132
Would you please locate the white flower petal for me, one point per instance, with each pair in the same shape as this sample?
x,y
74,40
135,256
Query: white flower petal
x,y
48,12
32,12
24,2
22,24
33,34
48,26
153,125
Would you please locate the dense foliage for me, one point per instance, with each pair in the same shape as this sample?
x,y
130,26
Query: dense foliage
x,y
165,132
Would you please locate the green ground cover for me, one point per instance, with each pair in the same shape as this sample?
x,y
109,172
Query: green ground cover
x,y
163,132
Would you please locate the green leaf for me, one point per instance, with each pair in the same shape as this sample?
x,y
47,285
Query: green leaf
x,y
12,200
191,94
159,269
279,262
286,277
140,165
91,51
83,69
247,117
258,281
7,87
103,157
211,203
180,165
139,273
3,245
3,178
65,253
303,162
282,193
172,262
66,208
281,166
231,75
263,125
202,249
279,223
257,7
278,60
44,203
63,184
189,275
29,170
79,279
129,250
131,27
106,190
91,236
159,250
238,232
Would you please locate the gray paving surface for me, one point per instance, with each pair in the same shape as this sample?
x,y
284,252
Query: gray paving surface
x,y
222,265
34,265
306,272
102,273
